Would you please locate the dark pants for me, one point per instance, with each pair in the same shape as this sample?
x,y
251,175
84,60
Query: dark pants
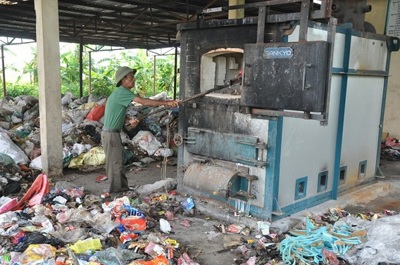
x,y
115,169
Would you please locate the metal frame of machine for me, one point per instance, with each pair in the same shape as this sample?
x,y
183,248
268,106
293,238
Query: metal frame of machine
x,y
264,151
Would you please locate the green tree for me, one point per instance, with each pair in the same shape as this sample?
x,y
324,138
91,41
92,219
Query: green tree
x,y
31,68
69,69
18,87
102,73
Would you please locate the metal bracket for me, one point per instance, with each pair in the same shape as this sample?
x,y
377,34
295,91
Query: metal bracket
x,y
189,140
278,211
240,194
259,145
252,161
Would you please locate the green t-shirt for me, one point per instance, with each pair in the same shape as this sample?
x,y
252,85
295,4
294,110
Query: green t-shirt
x,y
117,103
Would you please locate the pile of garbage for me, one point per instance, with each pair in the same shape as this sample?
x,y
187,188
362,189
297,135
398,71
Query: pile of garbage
x,y
58,223
390,148
82,121
62,224
66,226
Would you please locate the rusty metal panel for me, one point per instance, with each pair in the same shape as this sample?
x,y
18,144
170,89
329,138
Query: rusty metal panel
x,y
225,146
289,76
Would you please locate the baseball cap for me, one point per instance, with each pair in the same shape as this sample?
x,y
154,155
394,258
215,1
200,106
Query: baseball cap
x,y
122,72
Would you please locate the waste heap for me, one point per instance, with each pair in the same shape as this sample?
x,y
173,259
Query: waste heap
x,y
58,223
82,121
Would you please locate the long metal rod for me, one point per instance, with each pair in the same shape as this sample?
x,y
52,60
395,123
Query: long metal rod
x,y
90,73
154,73
184,101
4,71
175,70
331,39
291,114
81,68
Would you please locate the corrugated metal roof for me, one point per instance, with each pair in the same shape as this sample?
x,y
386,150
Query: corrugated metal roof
x,y
122,23
146,24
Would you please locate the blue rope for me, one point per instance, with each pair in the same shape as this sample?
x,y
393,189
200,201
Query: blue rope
x,y
305,246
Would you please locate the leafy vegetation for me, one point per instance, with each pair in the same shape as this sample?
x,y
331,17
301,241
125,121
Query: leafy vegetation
x,y
101,76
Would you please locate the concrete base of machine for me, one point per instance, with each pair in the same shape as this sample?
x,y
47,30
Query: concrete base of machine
x,y
375,196
223,211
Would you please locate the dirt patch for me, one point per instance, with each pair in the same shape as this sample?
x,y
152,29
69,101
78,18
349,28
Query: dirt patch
x,y
145,174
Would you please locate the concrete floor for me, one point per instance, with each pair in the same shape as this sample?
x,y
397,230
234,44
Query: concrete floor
x,y
382,195
378,196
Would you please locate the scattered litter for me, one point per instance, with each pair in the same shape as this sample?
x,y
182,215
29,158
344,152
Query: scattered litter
x,y
101,178
149,188
306,246
188,203
65,225
165,227
390,148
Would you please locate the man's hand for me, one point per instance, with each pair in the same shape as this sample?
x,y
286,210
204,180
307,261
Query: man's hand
x,y
133,122
173,103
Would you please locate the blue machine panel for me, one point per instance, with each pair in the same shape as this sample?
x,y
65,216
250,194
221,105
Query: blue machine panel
x,y
238,148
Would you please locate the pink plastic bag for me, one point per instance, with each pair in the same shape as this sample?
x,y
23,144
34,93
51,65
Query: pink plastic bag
x,y
34,195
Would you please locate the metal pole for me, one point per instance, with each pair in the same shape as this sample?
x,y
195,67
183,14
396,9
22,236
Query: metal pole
x,y
175,70
4,71
261,24
305,14
90,72
81,68
154,73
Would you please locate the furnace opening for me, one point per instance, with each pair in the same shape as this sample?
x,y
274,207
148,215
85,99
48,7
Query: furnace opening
x,y
222,68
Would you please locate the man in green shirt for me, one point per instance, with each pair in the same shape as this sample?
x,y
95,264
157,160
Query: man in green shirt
x,y
114,120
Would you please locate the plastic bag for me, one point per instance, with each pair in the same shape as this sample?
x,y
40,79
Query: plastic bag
x,y
38,252
88,244
164,152
36,163
165,227
7,146
111,256
147,141
6,160
159,260
95,157
133,223
96,113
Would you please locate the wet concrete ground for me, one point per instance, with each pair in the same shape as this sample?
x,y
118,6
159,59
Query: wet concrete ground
x,y
384,198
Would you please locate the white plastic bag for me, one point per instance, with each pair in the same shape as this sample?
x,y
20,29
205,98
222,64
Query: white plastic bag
x,y
164,152
8,147
165,227
146,141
